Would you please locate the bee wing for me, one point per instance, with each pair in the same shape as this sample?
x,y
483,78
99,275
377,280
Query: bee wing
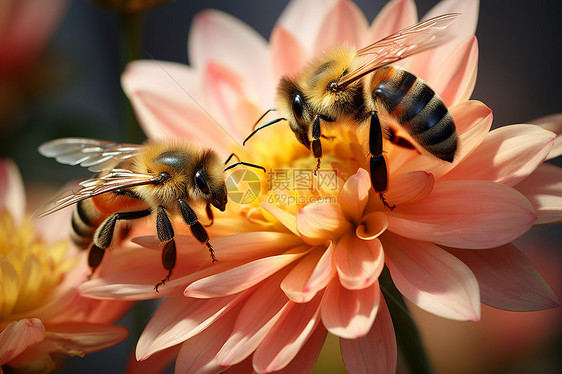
x,y
96,155
406,42
116,179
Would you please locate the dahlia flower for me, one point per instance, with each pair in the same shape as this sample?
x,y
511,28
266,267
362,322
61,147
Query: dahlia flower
x,y
41,310
304,257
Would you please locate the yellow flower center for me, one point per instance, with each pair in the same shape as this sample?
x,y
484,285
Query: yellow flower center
x,y
29,268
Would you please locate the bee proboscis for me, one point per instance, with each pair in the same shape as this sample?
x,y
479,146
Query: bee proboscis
x,y
134,181
344,85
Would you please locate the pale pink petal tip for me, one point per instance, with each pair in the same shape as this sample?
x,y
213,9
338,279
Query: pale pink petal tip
x,y
12,193
552,123
17,336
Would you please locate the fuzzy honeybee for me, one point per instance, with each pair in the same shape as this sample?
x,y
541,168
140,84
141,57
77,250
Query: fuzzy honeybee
x,y
133,181
348,86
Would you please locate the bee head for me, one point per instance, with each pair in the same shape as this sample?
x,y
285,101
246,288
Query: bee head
x,y
294,106
208,179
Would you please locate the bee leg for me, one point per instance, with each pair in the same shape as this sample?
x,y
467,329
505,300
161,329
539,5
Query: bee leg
x,y
196,227
316,144
378,168
210,215
165,235
104,235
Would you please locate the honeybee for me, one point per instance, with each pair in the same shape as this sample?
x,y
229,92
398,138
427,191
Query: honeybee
x,y
347,86
134,181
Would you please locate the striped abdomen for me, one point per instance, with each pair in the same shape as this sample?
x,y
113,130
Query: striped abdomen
x,y
85,220
418,109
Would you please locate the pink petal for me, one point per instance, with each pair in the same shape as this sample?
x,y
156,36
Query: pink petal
x,y
359,262
552,123
305,360
161,94
180,318
303,19
465,214
157,363
409,187
508,280
432,278
80,338
222,89
507,155
350,313
543,188
344,23
354,195
473,121
454,80
310,275
12,193
287,219
242,277
372,225
395,15
284,341
220,37
254,321
318,222
288,56
17,336
375,352
198,354
425,64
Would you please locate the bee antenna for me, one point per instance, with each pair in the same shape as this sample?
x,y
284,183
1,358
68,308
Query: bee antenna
x,y
261,127
262,116
245,164
230,157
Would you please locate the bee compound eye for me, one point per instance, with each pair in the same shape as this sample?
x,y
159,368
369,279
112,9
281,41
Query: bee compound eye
x,y
201,182
298,106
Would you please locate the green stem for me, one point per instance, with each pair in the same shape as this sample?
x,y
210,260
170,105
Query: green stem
x,y
407,335
130,50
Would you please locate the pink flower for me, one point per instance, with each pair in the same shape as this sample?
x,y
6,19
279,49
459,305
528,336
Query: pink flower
x,y
291,269
41,311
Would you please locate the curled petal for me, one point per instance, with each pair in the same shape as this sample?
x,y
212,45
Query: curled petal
x,y
354,195
254,321
507,279
350,313
507,155
359,262
432,278
465,214
12,193
409,187
543,188
552,123
344,23
17,336
287,337
310,275
242,277
287,219
395,15
318,222
180,318
372,225
375,352
454,80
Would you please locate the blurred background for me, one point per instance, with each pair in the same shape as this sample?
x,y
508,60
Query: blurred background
x,y
67,83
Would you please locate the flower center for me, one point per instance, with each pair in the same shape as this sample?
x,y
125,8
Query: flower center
x,y
29,268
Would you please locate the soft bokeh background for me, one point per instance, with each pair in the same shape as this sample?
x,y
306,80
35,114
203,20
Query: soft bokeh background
x,y
520,77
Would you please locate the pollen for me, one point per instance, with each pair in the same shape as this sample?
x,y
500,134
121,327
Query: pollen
x,y
30,268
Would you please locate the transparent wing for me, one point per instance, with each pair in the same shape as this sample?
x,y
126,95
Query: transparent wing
x,y
406,42
116,179
96,155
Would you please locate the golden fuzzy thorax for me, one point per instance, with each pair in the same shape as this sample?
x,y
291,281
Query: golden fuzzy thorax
x,y
181,161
